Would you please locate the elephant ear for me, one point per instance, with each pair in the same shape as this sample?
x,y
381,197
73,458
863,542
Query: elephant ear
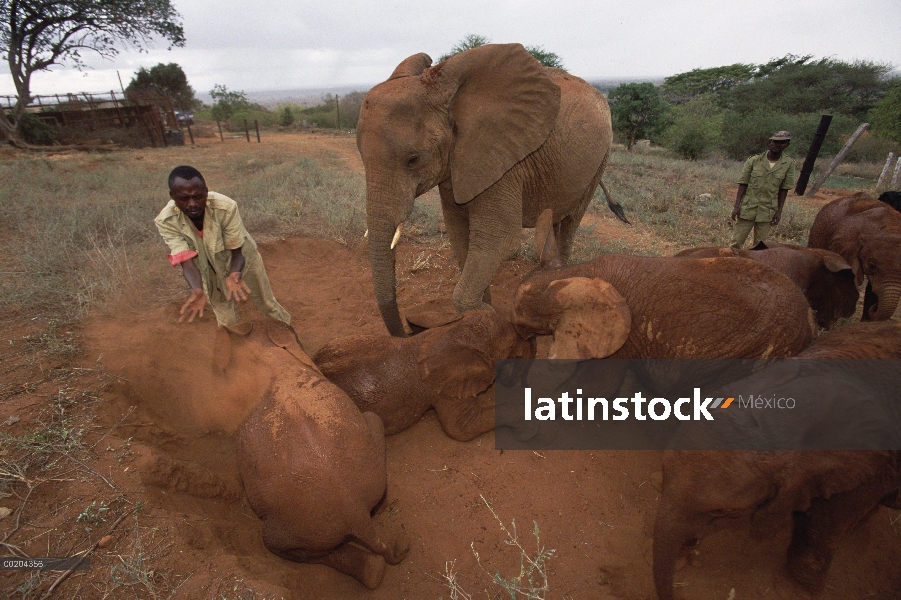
x,y
835,263
452,365
595,320
284,336
504,107
412,66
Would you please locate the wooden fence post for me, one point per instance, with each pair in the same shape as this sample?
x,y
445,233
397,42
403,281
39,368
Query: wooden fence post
x,y
837,160
219,125
888,163
896,173
246,131
812,154
190,135
257,126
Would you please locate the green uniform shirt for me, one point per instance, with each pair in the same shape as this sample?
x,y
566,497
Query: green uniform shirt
x,y
761,200
223,231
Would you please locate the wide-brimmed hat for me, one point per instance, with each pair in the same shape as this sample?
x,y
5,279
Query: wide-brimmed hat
x,y
781,136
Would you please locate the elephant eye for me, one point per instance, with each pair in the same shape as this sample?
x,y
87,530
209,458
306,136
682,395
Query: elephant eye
x,y
413,161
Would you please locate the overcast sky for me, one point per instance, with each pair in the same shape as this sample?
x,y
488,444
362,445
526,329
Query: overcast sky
x,y
279,44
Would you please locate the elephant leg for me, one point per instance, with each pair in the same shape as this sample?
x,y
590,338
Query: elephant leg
x,y
495,221
817,533
565,230
364,566
870,302
456,223
464,419
367,535
377,431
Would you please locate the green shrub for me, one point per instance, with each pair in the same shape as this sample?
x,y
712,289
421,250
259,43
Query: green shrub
x,y
696,128
287,116
746,134
35,131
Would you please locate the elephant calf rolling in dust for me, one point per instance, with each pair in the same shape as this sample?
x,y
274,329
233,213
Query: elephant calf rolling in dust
x,y
312,465
447,367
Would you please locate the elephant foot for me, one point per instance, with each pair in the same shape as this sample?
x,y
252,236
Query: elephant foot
x,y
399,550
362,565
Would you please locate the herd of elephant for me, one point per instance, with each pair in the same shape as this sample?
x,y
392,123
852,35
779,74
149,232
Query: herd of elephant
x,y
511,144
312,452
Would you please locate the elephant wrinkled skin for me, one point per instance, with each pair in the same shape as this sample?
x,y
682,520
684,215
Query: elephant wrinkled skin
x,y
826,279
312,465
626,306
501,136
867,234
825,492
447,368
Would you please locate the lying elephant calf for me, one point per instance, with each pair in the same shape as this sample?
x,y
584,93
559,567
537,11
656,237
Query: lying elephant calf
x,y
826,279
312,465
446,367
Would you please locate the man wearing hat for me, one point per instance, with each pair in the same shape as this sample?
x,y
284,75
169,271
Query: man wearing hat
x,y
762,189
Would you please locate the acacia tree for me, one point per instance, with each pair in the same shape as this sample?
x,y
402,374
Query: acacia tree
x,y
169,80
636,109
547,59
37,34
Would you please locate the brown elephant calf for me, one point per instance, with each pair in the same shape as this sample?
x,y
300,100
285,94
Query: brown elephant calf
x,y
825,492
867,234
446,367
312,465
826,278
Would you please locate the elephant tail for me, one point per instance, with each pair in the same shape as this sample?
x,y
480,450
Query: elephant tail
x,y
615,207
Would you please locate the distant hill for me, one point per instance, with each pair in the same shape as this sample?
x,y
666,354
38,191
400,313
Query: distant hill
x,y
605,85
308,96
312,96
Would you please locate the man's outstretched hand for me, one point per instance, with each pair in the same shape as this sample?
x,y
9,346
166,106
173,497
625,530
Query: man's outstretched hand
x,y
236,289
193,306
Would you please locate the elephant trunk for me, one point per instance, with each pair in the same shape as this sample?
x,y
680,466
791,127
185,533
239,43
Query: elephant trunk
x,y
671,536
383,226
889,295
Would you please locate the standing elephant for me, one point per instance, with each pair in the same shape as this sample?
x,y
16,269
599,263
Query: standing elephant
x,y
626,306
867,234
825,492
501,136
312,465
447,368
825,277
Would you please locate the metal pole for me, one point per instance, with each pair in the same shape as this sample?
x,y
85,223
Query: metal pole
x,y
247,131
837,160
812,154
120,82
219,125
888,164
257,126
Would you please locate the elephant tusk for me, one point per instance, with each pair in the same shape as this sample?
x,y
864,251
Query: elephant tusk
x,y
396,236
366,234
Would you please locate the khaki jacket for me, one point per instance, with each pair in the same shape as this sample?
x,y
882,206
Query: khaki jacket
x,y
223,231
761,200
